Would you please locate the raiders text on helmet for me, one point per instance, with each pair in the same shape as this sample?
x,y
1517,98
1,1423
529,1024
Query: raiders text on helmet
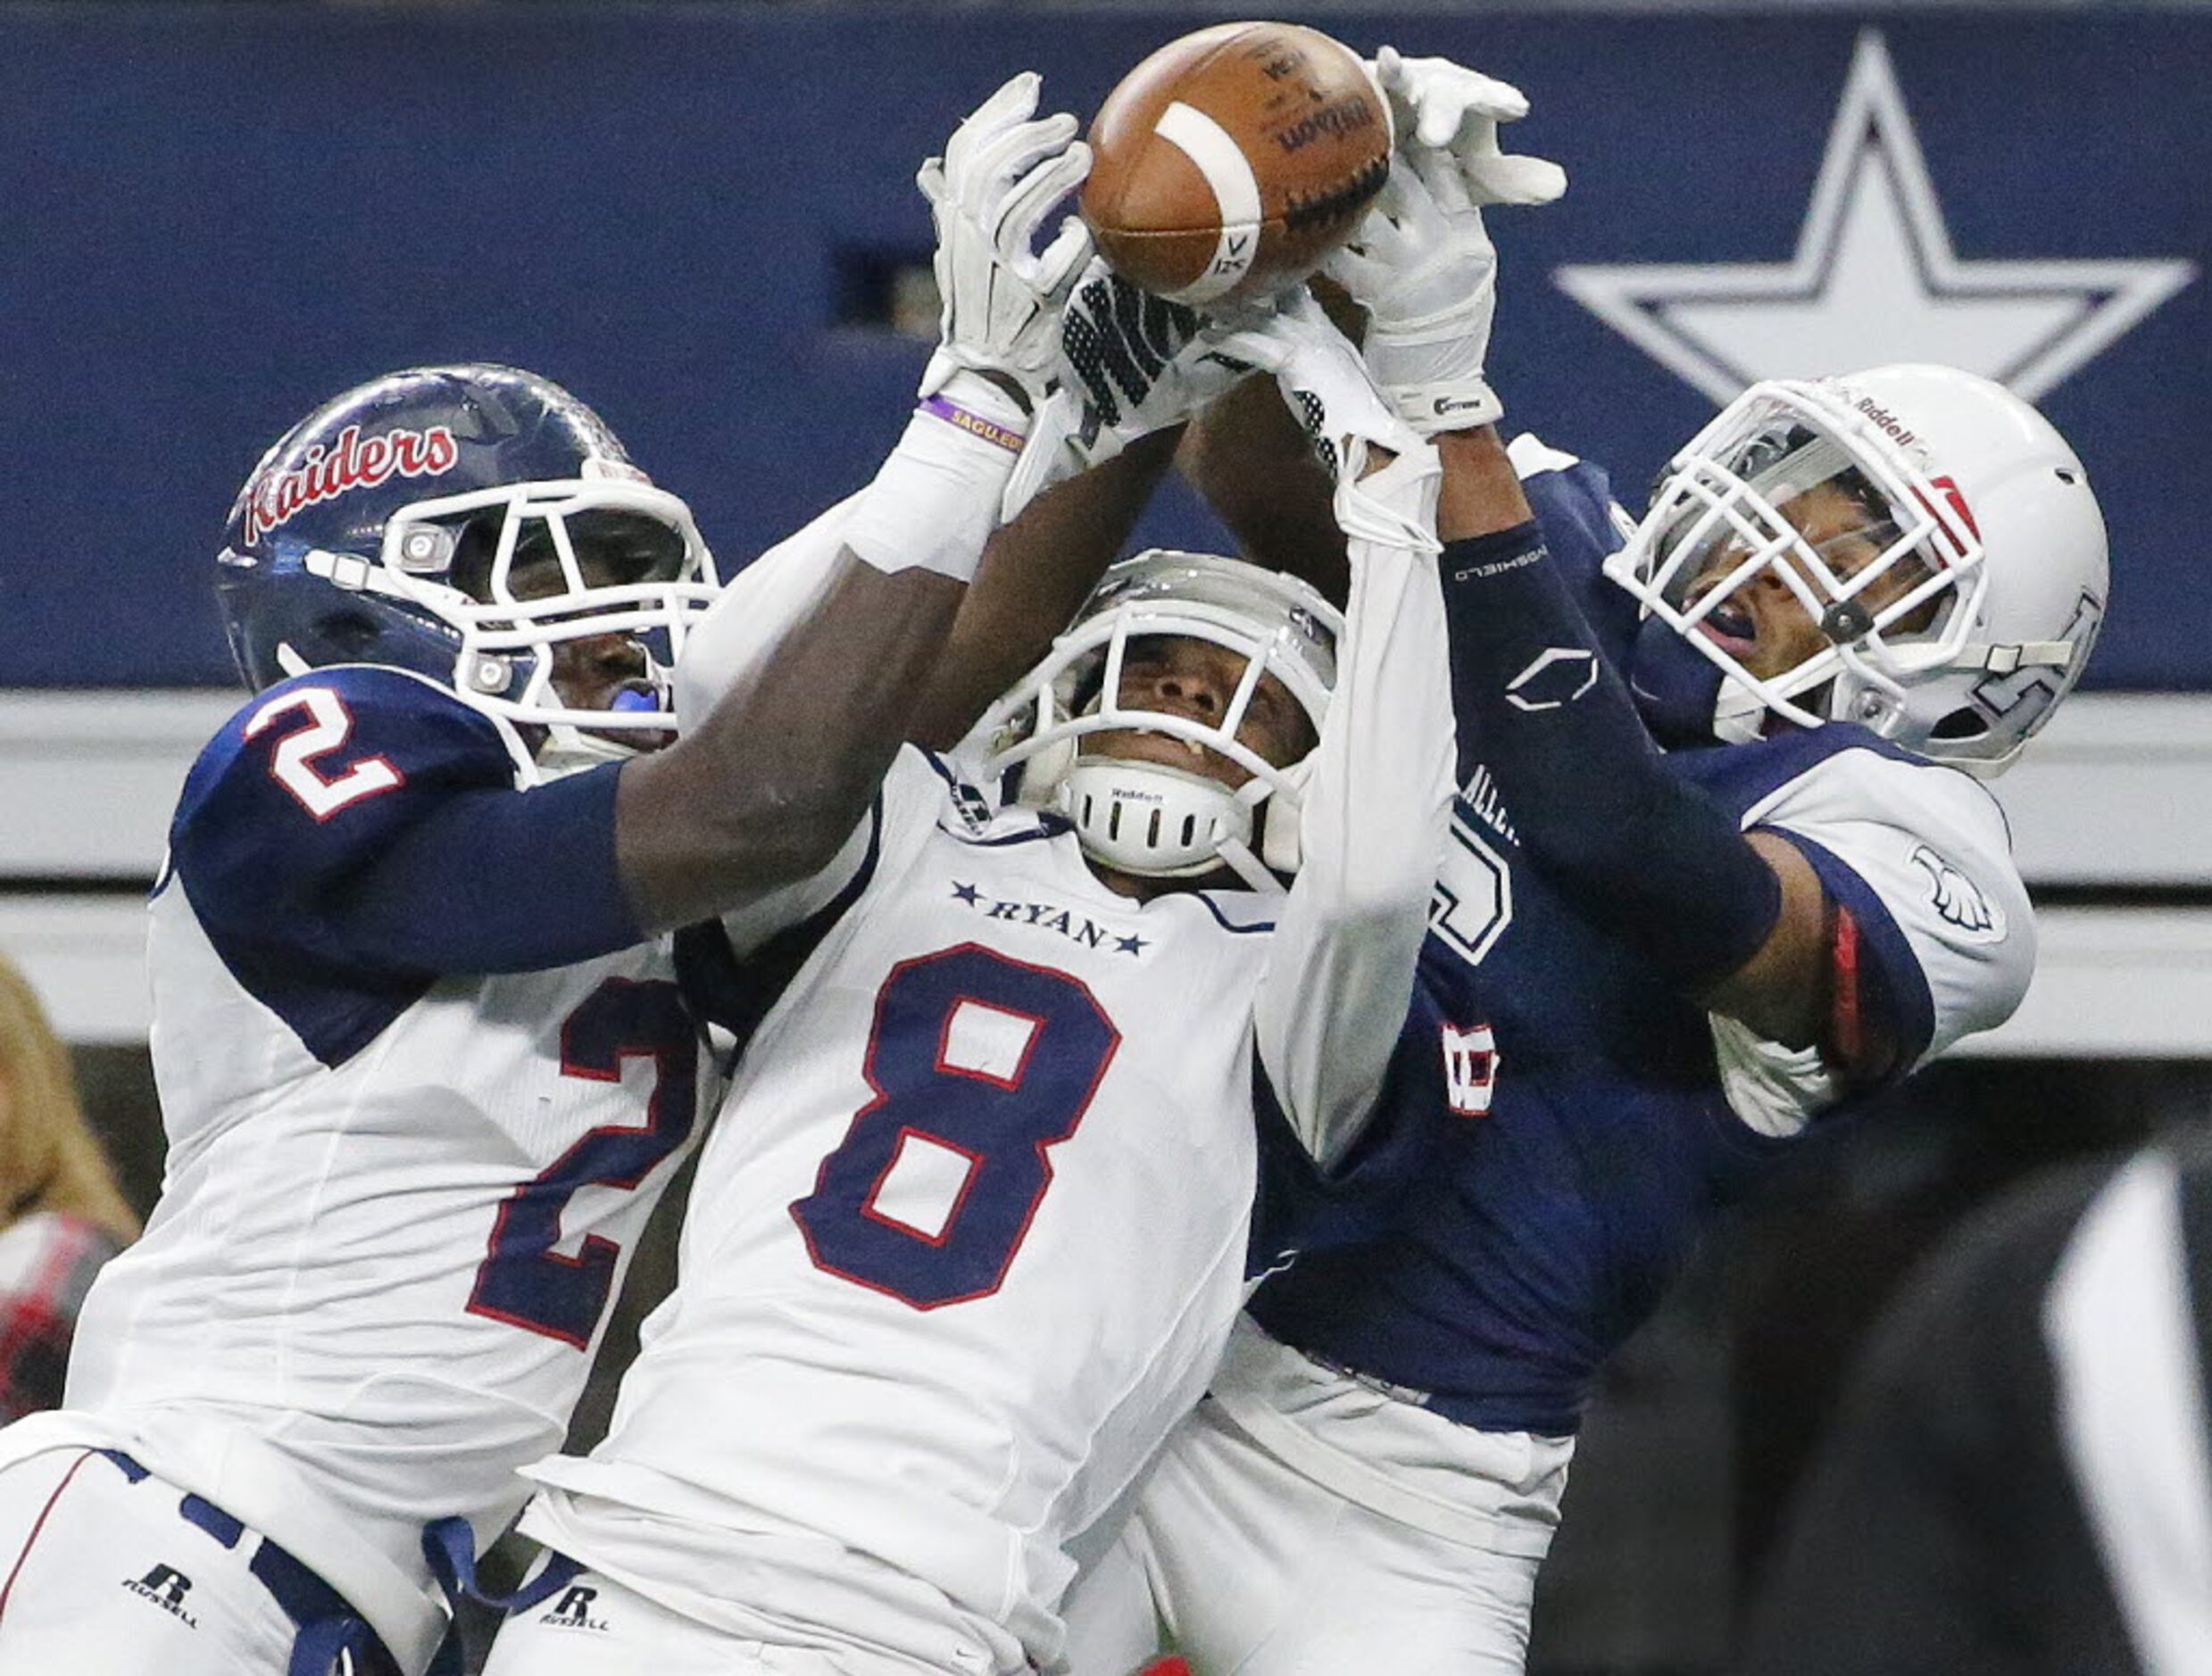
x,y
462,522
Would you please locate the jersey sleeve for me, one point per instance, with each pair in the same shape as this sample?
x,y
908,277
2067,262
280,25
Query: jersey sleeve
x,y
1917,862
359,825
1377,811
756,608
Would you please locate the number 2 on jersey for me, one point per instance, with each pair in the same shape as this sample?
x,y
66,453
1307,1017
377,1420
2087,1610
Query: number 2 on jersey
x,y
293,763
980,1065
522,1279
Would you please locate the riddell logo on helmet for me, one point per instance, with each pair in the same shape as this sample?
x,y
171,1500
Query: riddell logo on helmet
x,y
351,462
1889,423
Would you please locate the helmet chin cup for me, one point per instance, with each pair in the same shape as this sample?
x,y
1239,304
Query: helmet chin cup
x,y
1152,820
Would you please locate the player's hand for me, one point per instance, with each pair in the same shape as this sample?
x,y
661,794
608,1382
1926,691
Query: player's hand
x,y
1131,364
1439,106
1423,267
1349,422
1003,172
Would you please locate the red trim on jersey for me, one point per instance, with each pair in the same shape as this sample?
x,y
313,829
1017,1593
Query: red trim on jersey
x,y
1847,1035
15,1569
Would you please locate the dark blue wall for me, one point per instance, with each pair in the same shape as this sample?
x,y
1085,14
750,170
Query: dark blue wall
x,y
211,219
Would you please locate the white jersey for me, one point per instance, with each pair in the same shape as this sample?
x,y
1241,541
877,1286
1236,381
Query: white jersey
x,y
942,1294
973,1227
395,1212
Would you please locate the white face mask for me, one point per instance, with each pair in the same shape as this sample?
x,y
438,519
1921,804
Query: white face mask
x,y
1152,818
1782,486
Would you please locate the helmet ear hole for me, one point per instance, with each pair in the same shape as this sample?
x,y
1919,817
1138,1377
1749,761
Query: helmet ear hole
x,y
351,636
1959,725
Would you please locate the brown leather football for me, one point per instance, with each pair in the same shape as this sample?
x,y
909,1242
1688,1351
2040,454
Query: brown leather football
x,y
1231,162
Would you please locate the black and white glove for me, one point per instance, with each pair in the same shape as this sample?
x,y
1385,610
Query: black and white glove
x,y
1422,263
1131,364
1002,173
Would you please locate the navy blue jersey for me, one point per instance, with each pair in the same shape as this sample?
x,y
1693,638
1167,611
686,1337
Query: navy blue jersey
x,y
1587,1134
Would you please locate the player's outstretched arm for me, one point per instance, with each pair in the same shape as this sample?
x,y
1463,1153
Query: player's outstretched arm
x,y
765,788
1741,923
1375,811
1134,369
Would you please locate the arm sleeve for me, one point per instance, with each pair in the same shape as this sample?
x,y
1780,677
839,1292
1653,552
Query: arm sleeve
x,y
755,609
1376,811
1640,852
361,822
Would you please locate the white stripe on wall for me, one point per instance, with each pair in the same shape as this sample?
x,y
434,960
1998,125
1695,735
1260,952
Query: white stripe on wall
x,y
2118,791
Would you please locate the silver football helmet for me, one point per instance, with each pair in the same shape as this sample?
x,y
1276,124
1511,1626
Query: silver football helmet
x,y
1957,568
1146,817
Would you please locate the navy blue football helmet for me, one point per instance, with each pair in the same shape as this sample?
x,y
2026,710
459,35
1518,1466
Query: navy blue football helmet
x,y
463,522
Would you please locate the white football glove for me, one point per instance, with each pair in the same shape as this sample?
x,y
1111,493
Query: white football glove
x,y
1001,176
1333,392
1423,267
1437,104
1131,363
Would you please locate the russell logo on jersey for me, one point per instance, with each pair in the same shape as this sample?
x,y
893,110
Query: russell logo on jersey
x,y
166,1587
573,1611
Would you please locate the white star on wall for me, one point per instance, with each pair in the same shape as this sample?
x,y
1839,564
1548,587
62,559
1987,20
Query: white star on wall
x,y
1875,279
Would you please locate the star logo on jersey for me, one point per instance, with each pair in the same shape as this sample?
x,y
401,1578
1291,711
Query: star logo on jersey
x,y
1876,279
1077,928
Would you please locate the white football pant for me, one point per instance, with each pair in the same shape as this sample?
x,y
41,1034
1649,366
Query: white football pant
x,y
1251,1568
106,1569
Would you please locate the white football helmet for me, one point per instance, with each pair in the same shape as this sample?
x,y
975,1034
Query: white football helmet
x,y
1147,817
1973,617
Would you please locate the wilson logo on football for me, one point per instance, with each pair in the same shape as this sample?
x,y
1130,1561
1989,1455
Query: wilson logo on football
x,y
353,462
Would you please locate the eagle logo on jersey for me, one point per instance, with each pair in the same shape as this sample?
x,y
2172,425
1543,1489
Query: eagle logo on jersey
x,y
1959,899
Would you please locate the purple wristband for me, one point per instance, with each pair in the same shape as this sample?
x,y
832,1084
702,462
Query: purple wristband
x,y
974,424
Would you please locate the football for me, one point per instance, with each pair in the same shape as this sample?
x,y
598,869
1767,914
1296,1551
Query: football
x,y
1231,162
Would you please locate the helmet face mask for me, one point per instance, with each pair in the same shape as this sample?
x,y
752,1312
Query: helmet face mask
x,y
480,527
1152,819
1876,548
